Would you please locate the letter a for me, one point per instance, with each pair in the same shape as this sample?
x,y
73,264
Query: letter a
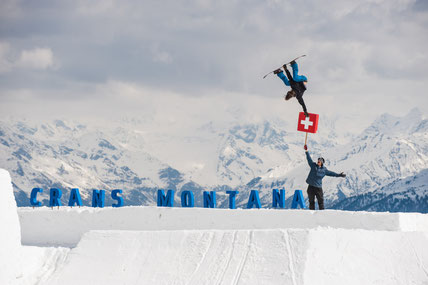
x,y
298,200
254,200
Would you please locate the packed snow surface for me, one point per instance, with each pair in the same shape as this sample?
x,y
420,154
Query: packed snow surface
x,y
10,237
65,226
150,245
21,264
156,245
287,256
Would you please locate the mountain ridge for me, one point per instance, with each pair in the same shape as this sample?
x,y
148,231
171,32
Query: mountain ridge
x,y
246,156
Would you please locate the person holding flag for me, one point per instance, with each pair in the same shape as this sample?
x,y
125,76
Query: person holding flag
x,y
314,180
297,83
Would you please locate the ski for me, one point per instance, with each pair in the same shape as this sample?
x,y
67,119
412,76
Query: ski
x,y
285,64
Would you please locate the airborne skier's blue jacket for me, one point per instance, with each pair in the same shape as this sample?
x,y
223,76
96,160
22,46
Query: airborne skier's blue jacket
x,y
317,173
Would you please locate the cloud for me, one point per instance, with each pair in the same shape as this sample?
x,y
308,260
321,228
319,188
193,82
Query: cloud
x,y
5,62
358,51
33,59
37,58
176,113
160,55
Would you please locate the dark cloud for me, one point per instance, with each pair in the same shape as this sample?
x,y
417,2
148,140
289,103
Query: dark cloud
x,y
420,5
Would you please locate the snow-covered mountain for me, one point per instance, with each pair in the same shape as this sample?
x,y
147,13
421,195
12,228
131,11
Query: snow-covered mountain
x,y
73,156
403,195
247,151
391,149
140,157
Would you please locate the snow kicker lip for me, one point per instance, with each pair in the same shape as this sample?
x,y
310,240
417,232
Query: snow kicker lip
x,y
65,227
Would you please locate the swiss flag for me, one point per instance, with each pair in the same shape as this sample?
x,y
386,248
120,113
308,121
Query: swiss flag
x,y
308,124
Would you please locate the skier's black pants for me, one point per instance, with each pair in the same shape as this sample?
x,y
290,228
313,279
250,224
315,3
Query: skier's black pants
x,y
315,192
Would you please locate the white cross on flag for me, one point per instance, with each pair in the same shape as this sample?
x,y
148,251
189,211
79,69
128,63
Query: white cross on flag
x,y
308,124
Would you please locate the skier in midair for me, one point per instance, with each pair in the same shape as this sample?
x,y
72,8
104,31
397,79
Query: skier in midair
x,y
314,180
297,83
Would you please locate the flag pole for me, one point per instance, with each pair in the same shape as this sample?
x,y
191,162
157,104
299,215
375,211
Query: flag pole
x,y
306,138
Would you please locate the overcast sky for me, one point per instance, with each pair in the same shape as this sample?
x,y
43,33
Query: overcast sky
x,y
76,58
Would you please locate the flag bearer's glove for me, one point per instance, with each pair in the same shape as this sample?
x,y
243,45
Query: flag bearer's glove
x,y
305,147
342,174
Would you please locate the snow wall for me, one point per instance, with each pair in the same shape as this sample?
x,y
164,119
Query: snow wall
x,y
10,235
151,245
65,226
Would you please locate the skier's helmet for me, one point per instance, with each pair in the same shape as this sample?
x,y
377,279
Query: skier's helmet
x,y
321,159
290,94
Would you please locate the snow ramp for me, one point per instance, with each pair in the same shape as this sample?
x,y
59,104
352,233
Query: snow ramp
x,y
65,226
10,235
277,256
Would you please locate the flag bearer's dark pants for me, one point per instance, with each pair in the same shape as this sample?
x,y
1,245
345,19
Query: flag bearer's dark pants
x,y
315,192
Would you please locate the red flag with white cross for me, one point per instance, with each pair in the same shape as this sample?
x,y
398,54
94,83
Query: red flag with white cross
x,y
308,124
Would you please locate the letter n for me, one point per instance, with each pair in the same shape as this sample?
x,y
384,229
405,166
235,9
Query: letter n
x,y
98,198
278,198
209,199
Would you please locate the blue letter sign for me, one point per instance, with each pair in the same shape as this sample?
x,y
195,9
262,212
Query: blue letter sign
x,y
232,196
33,199
298,200
187,199
209,199
55,195
75,198
115,196
254,200
98,198
165,201
278,198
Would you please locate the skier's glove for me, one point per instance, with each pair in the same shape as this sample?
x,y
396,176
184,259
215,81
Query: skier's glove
x,y
293,62
277,71
305,147
342,175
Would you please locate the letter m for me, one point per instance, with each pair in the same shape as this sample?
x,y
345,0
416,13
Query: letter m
x,y
165,200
